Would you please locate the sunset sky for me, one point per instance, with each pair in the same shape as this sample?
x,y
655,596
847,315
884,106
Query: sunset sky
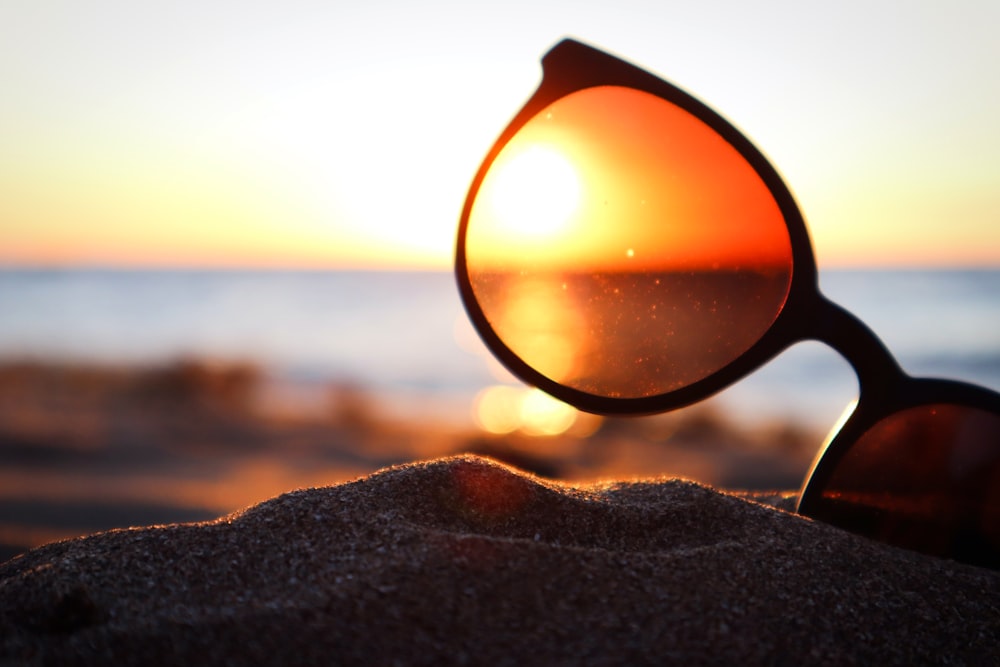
x,y
344,134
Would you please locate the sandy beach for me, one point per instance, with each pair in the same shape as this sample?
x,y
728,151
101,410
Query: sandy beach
x,y
462,560
347,537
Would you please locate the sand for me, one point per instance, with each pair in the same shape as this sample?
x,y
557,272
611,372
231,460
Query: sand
x,y
464,561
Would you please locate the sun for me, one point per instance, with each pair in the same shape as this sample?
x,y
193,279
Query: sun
x,y
534,191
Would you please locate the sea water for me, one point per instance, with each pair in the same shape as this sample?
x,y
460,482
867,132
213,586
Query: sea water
x,y
401,335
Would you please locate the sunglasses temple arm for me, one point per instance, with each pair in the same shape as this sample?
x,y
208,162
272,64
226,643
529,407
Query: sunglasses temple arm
x,y
874,365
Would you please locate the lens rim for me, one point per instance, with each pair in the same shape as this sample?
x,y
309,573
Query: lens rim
x,y
870,410
908,394
570,67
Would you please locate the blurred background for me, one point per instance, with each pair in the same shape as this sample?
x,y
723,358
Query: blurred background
x,y
226,234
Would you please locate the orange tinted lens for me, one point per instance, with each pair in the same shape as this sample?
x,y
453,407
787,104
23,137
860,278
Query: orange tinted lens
x,y
927,479
620,246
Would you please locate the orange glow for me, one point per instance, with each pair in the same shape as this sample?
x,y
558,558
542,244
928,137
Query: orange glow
x,y
541,320
544,415
502,409
659,190
166,217
489,493
498,409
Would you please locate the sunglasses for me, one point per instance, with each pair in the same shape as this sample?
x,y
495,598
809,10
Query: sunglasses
x,y
628,251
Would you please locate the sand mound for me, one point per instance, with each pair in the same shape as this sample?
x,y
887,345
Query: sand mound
x,y
462,560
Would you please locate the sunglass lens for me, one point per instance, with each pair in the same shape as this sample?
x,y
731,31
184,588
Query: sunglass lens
x,y
621,246
926,478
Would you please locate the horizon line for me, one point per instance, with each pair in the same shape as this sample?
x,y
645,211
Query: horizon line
x,y
410,268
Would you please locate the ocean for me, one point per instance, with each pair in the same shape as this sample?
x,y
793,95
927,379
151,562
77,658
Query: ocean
x,y
404,337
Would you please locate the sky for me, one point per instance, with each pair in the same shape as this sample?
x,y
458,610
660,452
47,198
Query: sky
x,y
335,134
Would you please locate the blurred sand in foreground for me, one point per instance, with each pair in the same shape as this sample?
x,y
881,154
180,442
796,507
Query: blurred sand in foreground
x,y
89,448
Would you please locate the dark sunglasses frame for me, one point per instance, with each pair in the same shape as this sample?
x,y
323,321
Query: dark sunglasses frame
x,y
885,389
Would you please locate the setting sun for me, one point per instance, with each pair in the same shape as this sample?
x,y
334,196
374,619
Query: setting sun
x,y
534,192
